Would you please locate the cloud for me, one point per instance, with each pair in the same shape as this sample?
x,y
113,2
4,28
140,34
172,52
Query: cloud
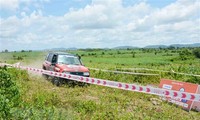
x,y
13,5
179,11
176,12
9,4
103,23
99,14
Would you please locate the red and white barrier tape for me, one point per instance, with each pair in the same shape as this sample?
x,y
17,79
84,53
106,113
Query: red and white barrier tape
x,y
119,85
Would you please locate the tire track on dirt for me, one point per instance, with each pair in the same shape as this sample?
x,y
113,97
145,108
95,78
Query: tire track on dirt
x,y
34,64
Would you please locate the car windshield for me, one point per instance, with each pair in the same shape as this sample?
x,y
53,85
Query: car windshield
x,y
65,59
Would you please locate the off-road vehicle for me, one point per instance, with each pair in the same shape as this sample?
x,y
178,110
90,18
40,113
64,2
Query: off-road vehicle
x,y
64,63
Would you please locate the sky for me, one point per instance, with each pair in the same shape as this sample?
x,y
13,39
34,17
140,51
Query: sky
x,y
44,24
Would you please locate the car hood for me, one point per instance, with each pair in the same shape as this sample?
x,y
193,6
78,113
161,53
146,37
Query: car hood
x,y
72,68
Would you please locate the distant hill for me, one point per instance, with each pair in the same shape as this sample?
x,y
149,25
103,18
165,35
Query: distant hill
x,y
156,46
161,46
132,47
125,47
174,45
58,49
73,48
185,45
61,49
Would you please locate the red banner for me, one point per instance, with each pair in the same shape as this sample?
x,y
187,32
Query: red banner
x,y
196,105
182,87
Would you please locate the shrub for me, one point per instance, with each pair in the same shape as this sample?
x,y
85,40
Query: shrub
x,y
195,80
19,58
118,52
9,94
133,55
184,54
196,52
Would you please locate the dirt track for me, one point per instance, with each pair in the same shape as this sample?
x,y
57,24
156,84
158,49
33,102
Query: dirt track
x,y
34,64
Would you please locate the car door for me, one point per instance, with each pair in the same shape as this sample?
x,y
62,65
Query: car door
x,y
53,63
48,61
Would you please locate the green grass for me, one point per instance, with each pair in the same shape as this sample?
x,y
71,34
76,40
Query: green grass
x,y
42,100
27,57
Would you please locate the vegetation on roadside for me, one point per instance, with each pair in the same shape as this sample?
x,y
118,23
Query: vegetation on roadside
x,y
15,102
196,52
28,96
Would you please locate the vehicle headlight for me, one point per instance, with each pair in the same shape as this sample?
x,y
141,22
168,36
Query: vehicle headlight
x,y
57,69
86,73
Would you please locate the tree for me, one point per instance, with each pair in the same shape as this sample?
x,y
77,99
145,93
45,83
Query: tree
x,y
6,50
118,52
185,54
133,55
196,52
171,47
14,57
128,48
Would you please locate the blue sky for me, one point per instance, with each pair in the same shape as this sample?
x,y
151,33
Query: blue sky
x,y
42,24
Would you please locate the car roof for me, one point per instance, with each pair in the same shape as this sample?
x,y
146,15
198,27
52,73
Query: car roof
x,y
62,53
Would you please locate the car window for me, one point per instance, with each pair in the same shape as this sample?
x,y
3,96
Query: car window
x,y
54,59
50,57
65,59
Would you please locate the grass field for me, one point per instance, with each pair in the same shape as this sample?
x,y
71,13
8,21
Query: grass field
x,y
39,99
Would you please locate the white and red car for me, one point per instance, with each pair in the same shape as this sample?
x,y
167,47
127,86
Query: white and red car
x,y
64,63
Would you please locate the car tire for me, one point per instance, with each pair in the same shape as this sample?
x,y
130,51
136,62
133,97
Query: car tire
x,y
56,81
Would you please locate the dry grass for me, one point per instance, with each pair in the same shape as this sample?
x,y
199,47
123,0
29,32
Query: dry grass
x,y
98,102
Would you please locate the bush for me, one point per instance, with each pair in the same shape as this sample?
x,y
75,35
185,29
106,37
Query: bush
x,y
19,58
196,52
195,80
13,106
9,94
185,54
